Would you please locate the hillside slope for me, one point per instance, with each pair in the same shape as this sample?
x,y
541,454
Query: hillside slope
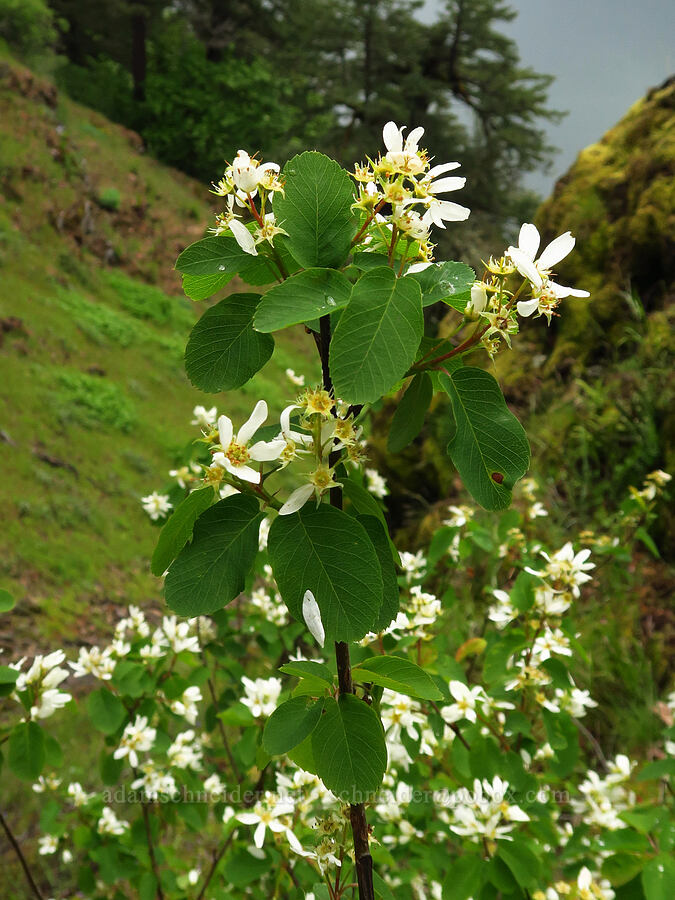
x,y
94,405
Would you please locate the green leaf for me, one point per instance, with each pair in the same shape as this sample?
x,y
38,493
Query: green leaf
x,y
211,571
409,414
660,768
315,210
622,867
8,675
223,350
362,500
308,668
290,724
7,602
307,295
200,287
27,750
642,818
524,865
178,530
449,281
464,877
377,336
390,604
398,674
329,553
222,255
106,711
53,752
349,749
489,448
658,878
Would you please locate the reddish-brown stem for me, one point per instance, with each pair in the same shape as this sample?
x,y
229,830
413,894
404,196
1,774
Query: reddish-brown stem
x,y
360,232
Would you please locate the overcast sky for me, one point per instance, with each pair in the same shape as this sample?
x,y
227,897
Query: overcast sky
x,y
604,54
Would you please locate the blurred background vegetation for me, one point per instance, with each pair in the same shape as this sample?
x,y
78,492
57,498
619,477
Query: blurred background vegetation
x,y
115,116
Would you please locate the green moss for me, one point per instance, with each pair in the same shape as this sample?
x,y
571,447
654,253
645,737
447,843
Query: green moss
x,y
91,401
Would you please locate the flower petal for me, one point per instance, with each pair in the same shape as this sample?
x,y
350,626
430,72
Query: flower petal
x,y
556,250
297,500
413,139
435,171
312,616
259,835
256,419
527,307
561,291
392,136
525,265
452,212
443,185
225,431
528,240
243,237
264,451
246,473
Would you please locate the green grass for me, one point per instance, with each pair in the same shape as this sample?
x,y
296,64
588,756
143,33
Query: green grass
x,y
94,402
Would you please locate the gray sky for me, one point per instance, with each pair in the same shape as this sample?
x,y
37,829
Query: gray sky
x,y
604,54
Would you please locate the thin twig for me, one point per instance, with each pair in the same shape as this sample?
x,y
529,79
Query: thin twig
x,y
214,865
151,849
22,859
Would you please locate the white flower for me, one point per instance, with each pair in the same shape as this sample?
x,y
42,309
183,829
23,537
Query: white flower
x,y
236,453
186,751
400,712
298,380
261,695
110,824
44,676
247,172
204,417
214,787
154,782
460,516
266,814
376,483
404,157
77,794
156,505
186,706
138,737
478,302
319,481
537,272
312,616
94,662
440,211
566,568
413,564
502,613
464,706
48,844
176,635
46,783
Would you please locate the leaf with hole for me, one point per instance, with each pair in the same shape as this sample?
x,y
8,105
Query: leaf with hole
x,y
489,447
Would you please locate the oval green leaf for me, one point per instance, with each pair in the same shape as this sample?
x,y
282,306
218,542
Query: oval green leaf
x,y
178,530
290,724
307,295
315,210
224,351
398,674
390,594
349,750
27,750
377,336
449,282
106,711
489,448
211,571
7,602
329,553
409,414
